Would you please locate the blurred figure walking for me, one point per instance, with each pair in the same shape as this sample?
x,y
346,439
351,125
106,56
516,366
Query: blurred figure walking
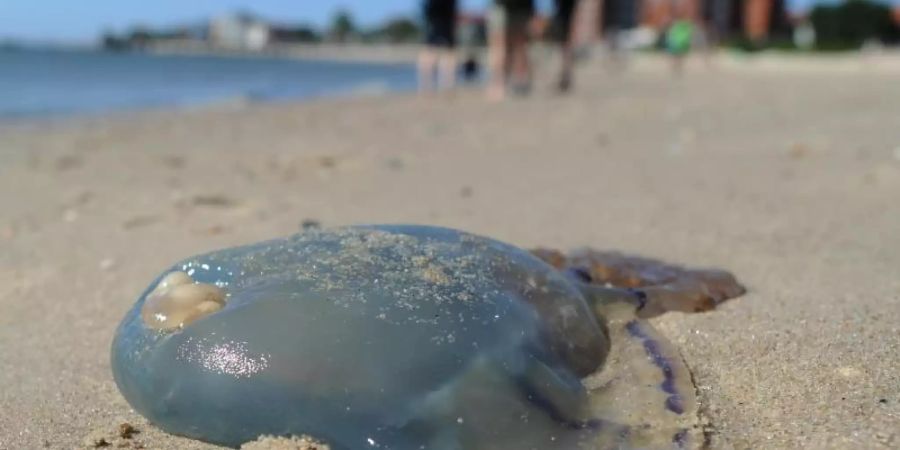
x,y
509,22
564,16
437,60
678,39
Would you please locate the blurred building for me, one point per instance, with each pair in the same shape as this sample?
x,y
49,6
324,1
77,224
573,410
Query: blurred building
x,y
239,31
293,34
754,20
471,29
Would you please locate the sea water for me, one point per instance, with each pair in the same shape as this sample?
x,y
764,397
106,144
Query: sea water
x,y
55,82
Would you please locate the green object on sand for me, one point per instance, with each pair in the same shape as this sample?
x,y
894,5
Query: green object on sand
x,y
679,36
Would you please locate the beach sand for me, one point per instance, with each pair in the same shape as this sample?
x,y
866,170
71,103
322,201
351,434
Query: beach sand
x,y
790,179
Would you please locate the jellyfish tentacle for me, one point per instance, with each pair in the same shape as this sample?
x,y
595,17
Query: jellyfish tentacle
x,y
655,286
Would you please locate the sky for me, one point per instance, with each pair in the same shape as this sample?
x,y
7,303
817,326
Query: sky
x,y
83,21
68,20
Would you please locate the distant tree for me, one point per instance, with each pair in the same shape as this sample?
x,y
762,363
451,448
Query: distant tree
x,y
307,34
298,34
9,45
400,29
139,37
342,26
850,24
113,42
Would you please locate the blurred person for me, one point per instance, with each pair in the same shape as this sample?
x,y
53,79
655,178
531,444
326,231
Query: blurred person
x,y
438,58
471,34
564,16
678,39
714,16
619,22
804,36
470,68
509,22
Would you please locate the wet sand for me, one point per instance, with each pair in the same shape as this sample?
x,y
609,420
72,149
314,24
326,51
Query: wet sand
x,y
788,178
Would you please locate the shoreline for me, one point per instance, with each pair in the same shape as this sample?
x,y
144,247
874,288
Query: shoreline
x,y
225,104
769,62
276,79
885,59
353,53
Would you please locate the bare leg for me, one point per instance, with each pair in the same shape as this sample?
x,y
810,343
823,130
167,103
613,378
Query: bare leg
x,y
427,60
710,44
678,65
497,54
497,66
447,64
520,64
575,19
568,61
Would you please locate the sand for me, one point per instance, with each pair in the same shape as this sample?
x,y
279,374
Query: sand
x,y
789,178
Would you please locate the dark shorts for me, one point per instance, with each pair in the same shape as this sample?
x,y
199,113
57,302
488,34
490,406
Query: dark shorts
x,y
511,17
517,7
565,11
440,23
440,35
